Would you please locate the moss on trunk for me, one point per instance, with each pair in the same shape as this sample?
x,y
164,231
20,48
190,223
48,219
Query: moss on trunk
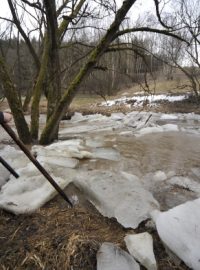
x,y
15,104
37,91
49,133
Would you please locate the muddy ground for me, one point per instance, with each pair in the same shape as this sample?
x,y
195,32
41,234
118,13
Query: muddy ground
x,y
58,237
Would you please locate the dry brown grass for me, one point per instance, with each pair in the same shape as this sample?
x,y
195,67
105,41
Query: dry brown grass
x,y
61,238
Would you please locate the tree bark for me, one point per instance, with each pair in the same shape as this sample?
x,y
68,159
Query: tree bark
x,y
15,104
49,132
37,91
54,80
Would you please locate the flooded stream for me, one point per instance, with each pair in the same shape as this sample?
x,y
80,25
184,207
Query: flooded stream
x,y
166,162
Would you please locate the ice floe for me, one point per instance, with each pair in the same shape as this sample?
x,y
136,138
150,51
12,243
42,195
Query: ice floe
x,y
120,195
180,231
140,246
111,257
4,176
156,129
186,183
29,192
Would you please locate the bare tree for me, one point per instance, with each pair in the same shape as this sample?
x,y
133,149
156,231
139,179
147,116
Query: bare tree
x,y
59,24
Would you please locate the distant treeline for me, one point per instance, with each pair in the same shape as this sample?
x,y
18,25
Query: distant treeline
x,y
121,66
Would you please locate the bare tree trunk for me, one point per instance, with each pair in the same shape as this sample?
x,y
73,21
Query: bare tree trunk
x,y
37,91
15,104
54,80
49,133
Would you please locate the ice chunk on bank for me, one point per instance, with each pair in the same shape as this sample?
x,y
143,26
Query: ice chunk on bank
x,y
4,175
31,190
186,182
179,229
140,246
14,157
120,195
26,194
111,257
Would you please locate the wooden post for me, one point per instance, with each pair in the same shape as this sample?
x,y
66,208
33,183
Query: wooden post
x,y
8,167
35,162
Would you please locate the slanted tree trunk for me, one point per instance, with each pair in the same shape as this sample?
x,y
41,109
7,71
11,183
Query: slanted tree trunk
x,y
15,104
37,91
49,132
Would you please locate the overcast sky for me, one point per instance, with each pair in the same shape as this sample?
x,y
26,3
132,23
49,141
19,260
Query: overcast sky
x,y
139,7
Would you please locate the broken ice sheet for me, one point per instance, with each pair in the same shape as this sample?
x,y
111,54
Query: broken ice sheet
x,y
106,153
60,161
4,175
186,183
14,157
31,190
24,195
119,195
179,229
111,257
140,247
155,129
63,149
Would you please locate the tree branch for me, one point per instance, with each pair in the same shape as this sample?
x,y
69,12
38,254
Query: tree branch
x,y
158,15
36,5
148,29
27,40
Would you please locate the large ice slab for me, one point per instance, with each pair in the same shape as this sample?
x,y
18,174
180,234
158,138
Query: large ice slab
x,y
68,148
30,191
179,229
140,246
156,128
111,257
4,175
119,195
14,157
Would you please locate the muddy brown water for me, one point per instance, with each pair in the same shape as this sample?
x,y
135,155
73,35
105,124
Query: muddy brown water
x,y
166,151
174,153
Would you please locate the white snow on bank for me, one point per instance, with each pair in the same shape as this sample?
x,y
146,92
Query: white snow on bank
x,y
139,100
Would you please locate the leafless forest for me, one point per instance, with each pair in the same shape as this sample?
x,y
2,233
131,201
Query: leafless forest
x,y
60,48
